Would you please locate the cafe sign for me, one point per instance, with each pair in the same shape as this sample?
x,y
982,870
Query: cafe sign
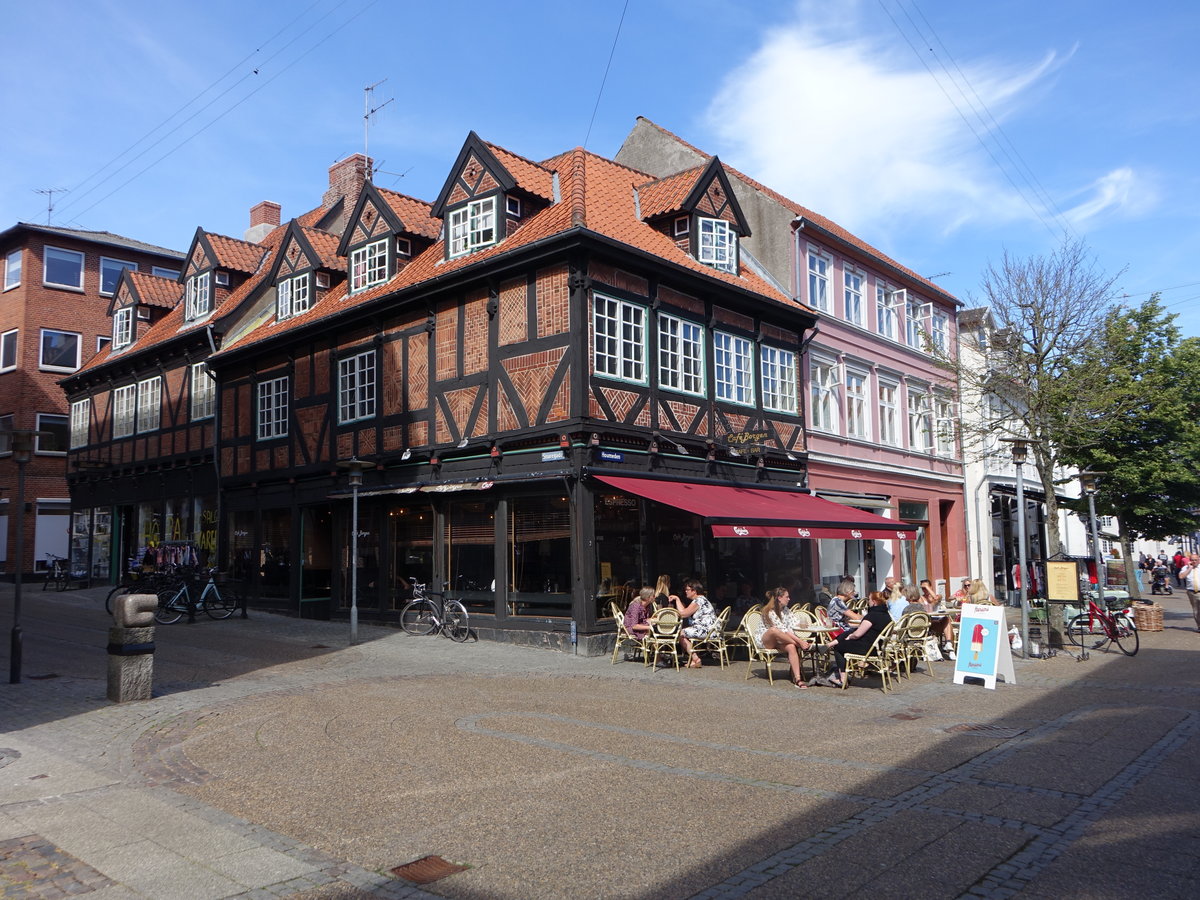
x,y
746,440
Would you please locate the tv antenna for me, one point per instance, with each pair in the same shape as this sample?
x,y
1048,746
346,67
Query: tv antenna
x,y
50,192
369,111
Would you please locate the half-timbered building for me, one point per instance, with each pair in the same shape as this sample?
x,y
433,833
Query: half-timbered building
x,y
558,380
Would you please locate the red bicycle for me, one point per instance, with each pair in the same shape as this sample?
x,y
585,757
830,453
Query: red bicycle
x,y
1095,628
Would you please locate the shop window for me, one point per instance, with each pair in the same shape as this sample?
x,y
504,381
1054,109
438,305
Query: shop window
x,y
411,552
539,546
620,569
470,535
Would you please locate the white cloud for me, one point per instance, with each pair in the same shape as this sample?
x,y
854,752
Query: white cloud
x,y
858,130
1119,192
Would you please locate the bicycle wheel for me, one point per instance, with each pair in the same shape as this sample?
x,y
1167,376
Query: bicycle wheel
x,y
218,605
115,592
62,578
172,604
1085,631
1125,635
456,625
417,617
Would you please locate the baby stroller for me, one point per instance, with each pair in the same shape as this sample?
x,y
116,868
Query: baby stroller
x,y
1160,583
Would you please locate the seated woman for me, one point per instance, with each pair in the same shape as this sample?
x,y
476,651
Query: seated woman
x,y
859,640
941,625
662,592
703,616
637,616
775,632
978,593
839,609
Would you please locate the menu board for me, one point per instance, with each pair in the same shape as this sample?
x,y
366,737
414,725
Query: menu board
x,y
1062,582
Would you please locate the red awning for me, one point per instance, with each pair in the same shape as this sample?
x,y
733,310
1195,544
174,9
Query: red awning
x,y
758,512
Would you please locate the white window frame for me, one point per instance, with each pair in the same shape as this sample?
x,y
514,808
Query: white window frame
x,y
198,303
733,368
356,387
368,265
886,318
473,227
778,369
41,426
682,226
619,339
858,423
824,407
271,410
852,293
46,252
149,404
914,327
12,272
943,410
124,406
163,272
12,338
888,394
293,296
81,417
920,420
122,333
512,206
818,280
121,264
203,392
46,367
939,332
102,341
680,355
718,245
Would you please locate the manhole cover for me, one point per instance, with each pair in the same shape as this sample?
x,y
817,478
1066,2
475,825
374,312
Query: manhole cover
x,y
983,728
427,869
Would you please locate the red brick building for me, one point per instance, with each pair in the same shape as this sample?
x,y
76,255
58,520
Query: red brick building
x,y
561,376
57,287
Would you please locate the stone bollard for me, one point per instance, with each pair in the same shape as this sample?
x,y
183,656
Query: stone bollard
x,y
131,648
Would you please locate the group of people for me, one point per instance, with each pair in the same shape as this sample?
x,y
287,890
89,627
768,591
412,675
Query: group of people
x,y
694,605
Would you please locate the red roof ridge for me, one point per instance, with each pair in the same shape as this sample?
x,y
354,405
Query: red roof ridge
x,y
578,187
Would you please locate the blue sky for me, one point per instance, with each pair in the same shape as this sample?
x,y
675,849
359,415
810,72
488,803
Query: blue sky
x,y
1068,117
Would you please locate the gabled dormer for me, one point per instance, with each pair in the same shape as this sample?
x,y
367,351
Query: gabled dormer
x,y
369,241
697,209
216,266
305,267
489,194
139,300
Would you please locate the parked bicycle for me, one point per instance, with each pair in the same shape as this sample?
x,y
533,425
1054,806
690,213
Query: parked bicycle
x,y
138,582
426,615
176,601
1095,628
58,573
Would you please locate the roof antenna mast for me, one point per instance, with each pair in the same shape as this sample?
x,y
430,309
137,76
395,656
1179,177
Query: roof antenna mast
x,y
368,111
50,192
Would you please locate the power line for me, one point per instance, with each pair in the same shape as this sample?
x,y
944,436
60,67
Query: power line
x,y
227,111
603,80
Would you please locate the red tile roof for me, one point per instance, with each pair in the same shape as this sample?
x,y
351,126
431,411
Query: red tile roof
x,y
325,244
529,175
152,290
799,210
666,195
596,194
413,213
240,256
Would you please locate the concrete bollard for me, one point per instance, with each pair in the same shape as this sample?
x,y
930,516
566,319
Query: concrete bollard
x,y
131,648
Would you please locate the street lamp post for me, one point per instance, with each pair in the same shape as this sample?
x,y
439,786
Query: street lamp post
x,y
355,466
1020,452
22,453
1089,481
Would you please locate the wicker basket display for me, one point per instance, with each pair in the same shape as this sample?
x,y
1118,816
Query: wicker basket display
x,y
1148,618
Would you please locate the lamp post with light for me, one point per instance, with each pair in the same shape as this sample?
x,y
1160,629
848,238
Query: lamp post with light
x,y
355,467
1089,481
1020,453
22,453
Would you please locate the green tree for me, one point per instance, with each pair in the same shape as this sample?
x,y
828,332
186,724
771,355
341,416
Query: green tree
x,y
1148,444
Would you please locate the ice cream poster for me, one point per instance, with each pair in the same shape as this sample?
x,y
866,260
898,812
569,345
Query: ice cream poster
x,y
983,650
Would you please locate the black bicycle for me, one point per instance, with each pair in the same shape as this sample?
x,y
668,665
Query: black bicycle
x,y
137,582
425,615
176,601
58,573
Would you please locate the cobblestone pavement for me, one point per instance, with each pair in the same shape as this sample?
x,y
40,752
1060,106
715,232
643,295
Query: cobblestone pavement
x,y
276,761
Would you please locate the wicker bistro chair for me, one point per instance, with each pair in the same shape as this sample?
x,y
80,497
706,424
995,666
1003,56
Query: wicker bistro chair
x,y
801,621
757,652
663,637
715,642
624,638
908,644
879,658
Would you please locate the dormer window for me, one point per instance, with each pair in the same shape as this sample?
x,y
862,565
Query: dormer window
x,y
403,247
368,266
122,333
292,296
683,226
718,245
473,227
512,205
199,297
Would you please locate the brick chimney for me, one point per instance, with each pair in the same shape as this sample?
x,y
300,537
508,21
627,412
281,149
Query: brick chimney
x,y
346,179
264,217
